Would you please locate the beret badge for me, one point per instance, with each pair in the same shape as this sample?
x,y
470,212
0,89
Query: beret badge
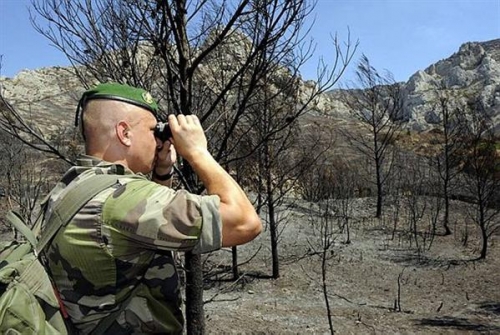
x,y
147,97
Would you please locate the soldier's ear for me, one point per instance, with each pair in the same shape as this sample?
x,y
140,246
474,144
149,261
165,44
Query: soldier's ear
x,y
123,133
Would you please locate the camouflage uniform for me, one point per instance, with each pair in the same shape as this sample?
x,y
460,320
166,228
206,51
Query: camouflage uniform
x,y
122,239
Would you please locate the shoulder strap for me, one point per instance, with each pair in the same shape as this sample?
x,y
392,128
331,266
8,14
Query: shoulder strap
x,y
71,203
21,227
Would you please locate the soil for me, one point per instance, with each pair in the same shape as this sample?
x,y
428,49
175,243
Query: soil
x,y
443,289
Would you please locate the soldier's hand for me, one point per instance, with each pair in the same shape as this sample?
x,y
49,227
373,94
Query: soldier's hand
x,y
165,158
188,136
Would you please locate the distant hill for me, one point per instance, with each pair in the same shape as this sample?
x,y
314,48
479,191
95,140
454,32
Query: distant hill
x,y
49,95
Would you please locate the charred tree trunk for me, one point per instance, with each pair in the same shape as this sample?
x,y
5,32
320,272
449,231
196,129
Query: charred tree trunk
x,y
325,289
378,167
194,290
446,219
271,214
236,273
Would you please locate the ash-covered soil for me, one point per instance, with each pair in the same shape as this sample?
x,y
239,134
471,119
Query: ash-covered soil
x,y
442,289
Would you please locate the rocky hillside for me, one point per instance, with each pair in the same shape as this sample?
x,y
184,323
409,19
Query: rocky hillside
x,y
474,70
49,95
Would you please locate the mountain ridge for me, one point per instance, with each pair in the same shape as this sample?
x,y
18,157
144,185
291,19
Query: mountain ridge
x,y
49,93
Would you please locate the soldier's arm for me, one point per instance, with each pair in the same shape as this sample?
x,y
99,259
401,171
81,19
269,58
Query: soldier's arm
x,y
240,222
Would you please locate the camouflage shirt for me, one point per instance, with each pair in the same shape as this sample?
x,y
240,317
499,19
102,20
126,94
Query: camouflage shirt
x,y
123,240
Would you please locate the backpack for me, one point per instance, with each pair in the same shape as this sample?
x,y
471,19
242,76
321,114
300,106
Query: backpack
x,y
29,303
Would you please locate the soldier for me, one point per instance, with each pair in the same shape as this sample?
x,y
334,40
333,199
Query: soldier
x,y
115,256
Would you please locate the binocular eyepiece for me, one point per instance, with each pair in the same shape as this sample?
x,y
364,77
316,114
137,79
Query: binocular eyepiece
x,y
162,131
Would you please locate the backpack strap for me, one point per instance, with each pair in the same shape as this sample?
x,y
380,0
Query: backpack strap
x,y
21,227
71,203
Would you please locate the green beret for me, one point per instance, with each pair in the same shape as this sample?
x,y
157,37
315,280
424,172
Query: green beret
x,y
119,92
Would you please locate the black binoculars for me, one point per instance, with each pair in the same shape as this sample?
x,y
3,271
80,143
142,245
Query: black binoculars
x,y
162,131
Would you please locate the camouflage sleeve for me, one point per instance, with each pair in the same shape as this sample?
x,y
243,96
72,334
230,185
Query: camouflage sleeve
x,y
211,232
158,217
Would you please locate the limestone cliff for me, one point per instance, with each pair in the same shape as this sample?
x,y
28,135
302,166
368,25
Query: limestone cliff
x,y
473,71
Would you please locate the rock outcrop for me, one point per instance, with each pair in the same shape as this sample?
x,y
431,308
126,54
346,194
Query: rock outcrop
x,y
47,96
473,71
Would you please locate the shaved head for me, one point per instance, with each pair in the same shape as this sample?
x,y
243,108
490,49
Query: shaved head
x,y
100,118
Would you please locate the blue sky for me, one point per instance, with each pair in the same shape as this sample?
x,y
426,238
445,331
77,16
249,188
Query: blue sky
x,y
401,36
